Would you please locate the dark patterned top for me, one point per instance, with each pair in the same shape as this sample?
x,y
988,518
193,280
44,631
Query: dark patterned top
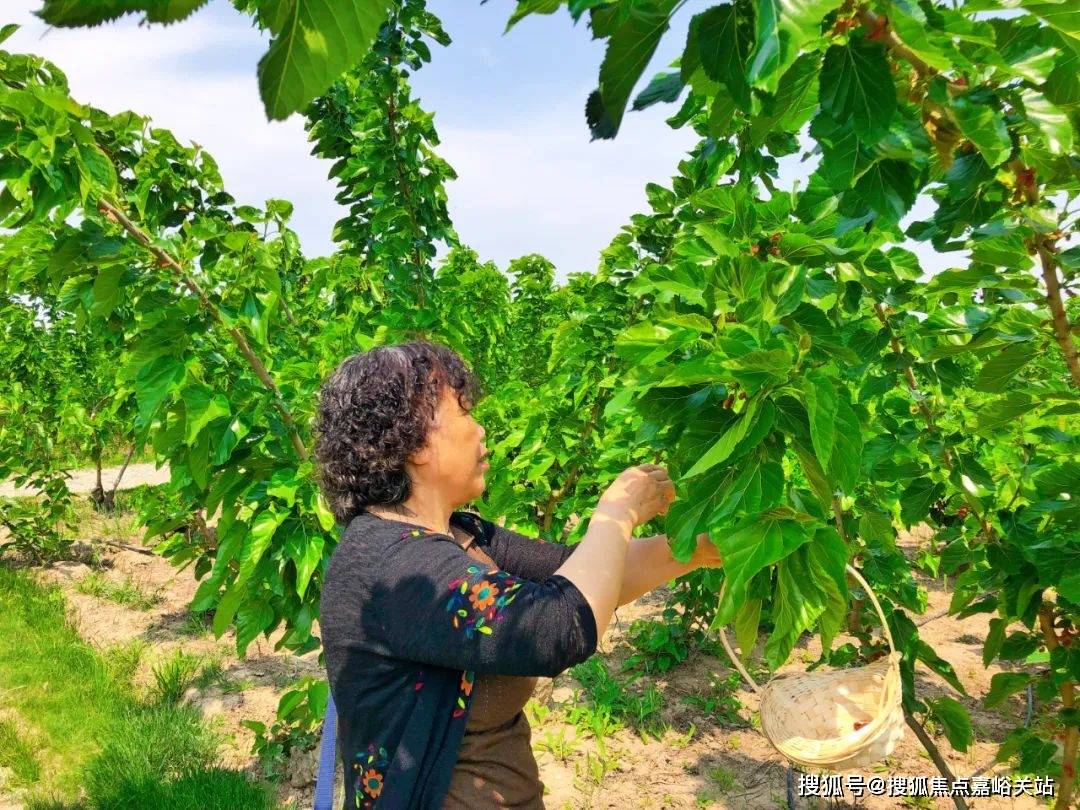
x,y
496,767
409,619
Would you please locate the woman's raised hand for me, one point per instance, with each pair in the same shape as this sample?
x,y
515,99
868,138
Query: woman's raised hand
x,y
640,492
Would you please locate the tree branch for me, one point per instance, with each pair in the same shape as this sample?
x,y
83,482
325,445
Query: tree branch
x,y
123,469
928,417
1068,698
1062,329
935,755
166,260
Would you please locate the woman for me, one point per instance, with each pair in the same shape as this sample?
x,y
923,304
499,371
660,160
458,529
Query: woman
x,y
437,622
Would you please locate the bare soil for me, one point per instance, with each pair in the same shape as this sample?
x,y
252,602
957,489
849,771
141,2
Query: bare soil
x,y
700,762
84,480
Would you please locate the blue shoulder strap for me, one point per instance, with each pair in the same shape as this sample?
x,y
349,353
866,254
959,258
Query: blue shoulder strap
x,y
324,783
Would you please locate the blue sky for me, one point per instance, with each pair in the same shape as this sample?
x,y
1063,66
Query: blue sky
x,y
509,110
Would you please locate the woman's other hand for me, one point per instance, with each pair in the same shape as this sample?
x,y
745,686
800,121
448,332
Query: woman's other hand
x,y
641,493
707,555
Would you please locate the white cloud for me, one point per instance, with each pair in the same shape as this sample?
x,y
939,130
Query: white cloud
x,y
527,181
535,185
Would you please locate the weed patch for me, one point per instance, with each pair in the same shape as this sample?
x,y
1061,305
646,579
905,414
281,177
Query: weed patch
x,y
612,702
127,594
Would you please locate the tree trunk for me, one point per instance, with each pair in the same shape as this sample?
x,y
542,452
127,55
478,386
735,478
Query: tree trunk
x,y
97,494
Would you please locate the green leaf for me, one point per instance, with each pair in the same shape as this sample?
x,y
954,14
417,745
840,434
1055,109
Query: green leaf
x,y
527,7
791,291
716,497
1063,16
913,29
168,338
97,168
1023,49
757,544
283,484
925,653
234,433
704,368
956,720
815,474
972,476
799,248
846,459
917,498
251,619
198,460
747,621
289,701
764,66
983,125
857,85
1062,87
156,381
794,103
258,541
647,343
782,27
201,406
805,587
997,371
1058,478
322,511
995,637
629,49
73,13
723,42
316,42
663,87
821,404
1053,123
889,187
106,291
726,443
226,608
877,528
999,413
306,552
1003,684
669,281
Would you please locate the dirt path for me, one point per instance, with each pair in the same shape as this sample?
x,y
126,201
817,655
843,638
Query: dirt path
x,y
82,481
701,761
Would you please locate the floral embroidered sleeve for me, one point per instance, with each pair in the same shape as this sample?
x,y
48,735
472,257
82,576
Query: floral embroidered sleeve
x,y
433,603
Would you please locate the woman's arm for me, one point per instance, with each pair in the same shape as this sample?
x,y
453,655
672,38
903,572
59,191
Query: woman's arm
x,y
649,564
598,564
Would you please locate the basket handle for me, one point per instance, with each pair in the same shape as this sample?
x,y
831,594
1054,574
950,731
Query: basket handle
x,y
869,592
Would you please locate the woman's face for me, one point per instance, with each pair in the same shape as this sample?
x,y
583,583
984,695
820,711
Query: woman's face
x,y
452,459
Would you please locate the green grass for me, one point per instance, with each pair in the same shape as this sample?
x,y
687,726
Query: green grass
x,y
212,674
196,625
104,748
174,676
127,594
17,753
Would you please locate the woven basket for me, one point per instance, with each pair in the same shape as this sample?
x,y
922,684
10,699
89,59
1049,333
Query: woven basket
x,y
833,720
